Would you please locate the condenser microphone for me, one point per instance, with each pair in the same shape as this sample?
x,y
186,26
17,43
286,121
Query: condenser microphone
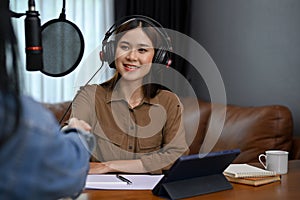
x,y
33,41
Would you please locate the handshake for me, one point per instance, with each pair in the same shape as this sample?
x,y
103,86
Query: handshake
x,y
75,123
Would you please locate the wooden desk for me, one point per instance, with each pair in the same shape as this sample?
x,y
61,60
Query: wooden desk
x,y
288,188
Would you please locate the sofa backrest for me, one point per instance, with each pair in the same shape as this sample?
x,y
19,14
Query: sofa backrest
x,y
253,130
60,110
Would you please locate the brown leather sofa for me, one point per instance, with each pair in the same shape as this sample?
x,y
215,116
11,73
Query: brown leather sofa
x,y
253,130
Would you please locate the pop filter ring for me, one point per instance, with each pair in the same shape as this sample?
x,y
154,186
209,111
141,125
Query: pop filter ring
x,y
68,69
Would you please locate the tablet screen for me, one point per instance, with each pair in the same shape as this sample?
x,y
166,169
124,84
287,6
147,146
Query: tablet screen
x,y
197,165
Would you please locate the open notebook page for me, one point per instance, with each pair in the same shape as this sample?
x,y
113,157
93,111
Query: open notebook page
x,y
246,170
111,182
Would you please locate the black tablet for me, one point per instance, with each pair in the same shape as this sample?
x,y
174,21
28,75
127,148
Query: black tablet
x,y
196,174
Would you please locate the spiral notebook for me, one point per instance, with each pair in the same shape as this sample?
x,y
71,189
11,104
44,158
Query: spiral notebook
x,y
246,170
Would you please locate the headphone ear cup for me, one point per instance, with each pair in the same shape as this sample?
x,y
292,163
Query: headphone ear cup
x,y
158,58
109,53
161,57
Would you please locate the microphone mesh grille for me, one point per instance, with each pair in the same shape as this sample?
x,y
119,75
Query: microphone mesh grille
x,y
62,48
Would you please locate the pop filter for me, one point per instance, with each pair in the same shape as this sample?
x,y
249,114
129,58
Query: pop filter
x,y
63,46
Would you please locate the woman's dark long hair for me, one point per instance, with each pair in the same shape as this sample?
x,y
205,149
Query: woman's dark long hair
x,y
9,79
150,89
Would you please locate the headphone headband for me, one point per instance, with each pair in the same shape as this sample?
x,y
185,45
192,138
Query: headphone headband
x,y
162,55
127,19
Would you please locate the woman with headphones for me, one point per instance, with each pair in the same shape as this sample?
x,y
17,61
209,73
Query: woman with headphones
x,y
137,124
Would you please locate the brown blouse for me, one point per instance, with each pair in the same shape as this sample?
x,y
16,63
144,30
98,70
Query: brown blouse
x,y
152,131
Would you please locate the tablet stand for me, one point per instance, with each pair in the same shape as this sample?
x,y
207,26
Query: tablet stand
x,y
194,186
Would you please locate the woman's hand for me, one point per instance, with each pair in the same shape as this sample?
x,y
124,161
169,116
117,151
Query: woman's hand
x,y
80,124
99,168
127,166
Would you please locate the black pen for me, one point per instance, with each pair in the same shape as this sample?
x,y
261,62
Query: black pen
x,y
124,179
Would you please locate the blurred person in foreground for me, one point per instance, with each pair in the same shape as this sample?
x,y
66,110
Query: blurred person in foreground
x,y
37,159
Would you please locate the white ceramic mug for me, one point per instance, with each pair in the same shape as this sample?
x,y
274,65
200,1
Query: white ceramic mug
x,y
275,160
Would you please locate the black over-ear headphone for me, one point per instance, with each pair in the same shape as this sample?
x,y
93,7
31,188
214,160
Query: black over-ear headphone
x,y
162,54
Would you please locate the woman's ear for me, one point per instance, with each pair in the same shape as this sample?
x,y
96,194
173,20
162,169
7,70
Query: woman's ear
x,y
101,56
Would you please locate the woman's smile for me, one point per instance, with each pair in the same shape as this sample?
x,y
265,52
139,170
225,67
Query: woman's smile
x,y
129,67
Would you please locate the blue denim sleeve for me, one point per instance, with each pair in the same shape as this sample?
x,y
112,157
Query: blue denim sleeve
x,y
66,162
41,162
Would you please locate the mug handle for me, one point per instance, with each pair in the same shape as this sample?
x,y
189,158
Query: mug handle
x,y
261,161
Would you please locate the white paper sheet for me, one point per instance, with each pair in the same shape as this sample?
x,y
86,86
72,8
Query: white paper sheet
x,y
111,182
